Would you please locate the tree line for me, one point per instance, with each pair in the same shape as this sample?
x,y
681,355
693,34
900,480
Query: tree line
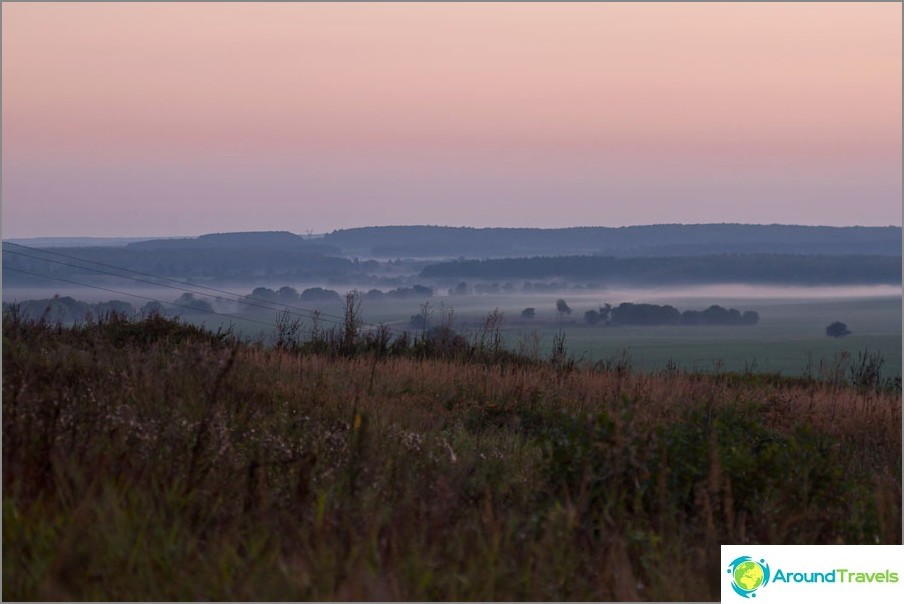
x,y
290,295
628,313
646,240
654,314
723,268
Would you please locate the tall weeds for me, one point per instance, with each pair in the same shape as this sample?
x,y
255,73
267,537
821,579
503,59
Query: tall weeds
x,y
152,460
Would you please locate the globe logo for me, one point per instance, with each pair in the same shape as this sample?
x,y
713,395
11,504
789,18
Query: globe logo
x,y
748,575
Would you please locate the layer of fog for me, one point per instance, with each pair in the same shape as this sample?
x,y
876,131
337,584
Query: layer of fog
x,y
138,296
740,291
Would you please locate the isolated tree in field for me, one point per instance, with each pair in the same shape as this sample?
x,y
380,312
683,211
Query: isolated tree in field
x,y
592,317
528,313
837,330
563,308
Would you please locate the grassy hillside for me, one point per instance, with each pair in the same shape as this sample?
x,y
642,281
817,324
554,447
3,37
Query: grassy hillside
x,y
151,460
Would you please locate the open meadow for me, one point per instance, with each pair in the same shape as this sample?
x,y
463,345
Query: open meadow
x,y
152,460
790,337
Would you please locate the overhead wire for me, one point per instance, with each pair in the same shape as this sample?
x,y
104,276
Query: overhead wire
x,y
311,314
160,277
253,302
122,293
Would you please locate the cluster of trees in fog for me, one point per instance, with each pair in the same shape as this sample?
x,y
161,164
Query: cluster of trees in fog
x,y
496,288
654,314
315,295
68,309
628,313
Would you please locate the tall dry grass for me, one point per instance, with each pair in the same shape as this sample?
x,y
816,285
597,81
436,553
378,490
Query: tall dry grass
x,y
150,460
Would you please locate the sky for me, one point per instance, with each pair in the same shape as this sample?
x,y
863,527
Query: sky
x,y
155,119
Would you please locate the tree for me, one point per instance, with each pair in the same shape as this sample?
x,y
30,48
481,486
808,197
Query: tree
x,y
373,295
837,330
459,290
287,295
318,294
606,313
415,291
628,313
264,293
592,317
562,307
417,322
528,313
153,308
188,300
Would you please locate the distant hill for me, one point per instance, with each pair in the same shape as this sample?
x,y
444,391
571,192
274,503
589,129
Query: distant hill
x,y
219,256
650,240
670,253
259,240
453,242
780,269
227,263
76,241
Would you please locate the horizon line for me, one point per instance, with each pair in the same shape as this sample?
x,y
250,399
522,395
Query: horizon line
x,y
440,226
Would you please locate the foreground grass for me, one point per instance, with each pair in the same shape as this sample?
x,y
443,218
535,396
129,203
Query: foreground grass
x,y
154,461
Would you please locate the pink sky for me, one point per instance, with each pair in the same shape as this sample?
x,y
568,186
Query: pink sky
x,y
178,119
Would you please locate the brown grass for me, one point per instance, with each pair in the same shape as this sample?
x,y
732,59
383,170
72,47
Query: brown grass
x,y
153,461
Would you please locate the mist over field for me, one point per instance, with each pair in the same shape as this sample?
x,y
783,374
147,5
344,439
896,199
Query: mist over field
x,y
270,393
716,293
244,280
447,301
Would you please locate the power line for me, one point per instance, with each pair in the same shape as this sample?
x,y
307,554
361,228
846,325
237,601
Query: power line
x,y
136,279
313,314
114,291
161,277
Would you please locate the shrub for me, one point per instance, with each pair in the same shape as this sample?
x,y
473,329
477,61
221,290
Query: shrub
x,y
318,294
837,330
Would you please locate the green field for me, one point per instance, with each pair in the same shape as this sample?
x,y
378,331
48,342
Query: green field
x,y
789,339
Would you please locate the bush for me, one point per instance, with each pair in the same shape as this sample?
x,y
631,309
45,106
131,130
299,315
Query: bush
x,y
837,330
318,294
190,302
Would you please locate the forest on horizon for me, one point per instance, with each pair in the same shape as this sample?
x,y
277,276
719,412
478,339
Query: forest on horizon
x,y
779,254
